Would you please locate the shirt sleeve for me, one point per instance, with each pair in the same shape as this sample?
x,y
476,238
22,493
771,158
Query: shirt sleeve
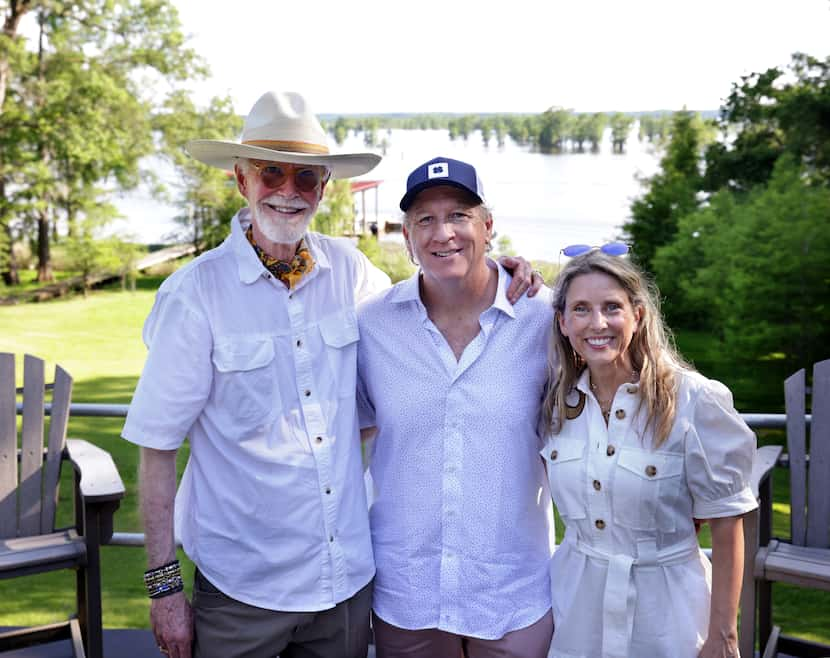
x,y
720,449
365,408
177,376
368,278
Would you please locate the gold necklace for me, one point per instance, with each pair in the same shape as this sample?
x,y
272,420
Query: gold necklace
x,y
605,404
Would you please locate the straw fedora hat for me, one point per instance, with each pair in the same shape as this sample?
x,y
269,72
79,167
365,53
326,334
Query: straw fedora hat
x,y
281,128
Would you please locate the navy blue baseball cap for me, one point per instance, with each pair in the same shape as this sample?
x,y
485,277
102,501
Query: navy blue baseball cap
x,y
442,171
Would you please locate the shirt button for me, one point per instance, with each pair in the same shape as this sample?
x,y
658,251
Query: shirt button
x,y
331,538
651,470
307,393
319,439
328,490
291,296
597,485
554,454
299,343
620,413
610,450
631,389
600,524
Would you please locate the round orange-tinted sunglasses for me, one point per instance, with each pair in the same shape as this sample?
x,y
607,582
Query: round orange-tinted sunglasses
x,y
306,178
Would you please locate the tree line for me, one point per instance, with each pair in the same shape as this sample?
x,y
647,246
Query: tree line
x,y
736,229
555,130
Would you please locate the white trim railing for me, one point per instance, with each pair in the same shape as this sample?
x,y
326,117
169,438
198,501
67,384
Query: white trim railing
x,y
755,421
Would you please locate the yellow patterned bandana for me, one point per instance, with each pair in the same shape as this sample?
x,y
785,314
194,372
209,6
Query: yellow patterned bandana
x,y
289,273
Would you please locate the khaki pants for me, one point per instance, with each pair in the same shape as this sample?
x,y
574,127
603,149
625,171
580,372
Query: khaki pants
x,y
227,628
530,642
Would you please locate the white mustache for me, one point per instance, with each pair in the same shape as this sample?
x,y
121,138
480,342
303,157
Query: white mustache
x,y
294,204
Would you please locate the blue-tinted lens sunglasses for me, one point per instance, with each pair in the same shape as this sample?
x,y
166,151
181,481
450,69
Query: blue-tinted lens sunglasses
x,y
611,248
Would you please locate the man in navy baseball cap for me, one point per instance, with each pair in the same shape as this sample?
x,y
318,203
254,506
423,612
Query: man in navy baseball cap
x,y
442,171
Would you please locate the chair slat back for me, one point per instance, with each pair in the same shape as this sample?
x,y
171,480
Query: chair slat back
x,y
59,419
794,389
818,501
31,447
8,448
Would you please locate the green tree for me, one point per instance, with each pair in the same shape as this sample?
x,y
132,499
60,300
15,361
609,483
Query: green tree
x,y
77,105
206,196
670,194
767,115
620,127
757,266
335,214
554,126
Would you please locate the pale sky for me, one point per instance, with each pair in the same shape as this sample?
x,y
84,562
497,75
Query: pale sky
x,y
375,56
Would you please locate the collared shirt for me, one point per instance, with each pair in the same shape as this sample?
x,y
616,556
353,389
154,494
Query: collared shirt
x,y
271,506
630,568
461,526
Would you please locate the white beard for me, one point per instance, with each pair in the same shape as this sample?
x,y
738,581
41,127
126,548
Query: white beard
x,y
277,228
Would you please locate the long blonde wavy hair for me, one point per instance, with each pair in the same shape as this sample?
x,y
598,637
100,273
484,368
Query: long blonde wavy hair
x,y
652,350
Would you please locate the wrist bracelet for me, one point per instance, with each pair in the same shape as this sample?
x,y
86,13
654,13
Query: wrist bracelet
x,y
164,580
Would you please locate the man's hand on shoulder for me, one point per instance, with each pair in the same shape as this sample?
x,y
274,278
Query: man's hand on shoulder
x,y
525,278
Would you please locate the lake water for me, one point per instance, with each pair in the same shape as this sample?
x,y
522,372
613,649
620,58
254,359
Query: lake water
x,y
542,202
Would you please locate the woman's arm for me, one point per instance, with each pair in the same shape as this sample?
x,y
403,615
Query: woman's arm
x,y
727,572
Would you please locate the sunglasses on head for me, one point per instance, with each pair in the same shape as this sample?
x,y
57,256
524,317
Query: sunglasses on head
x,y
306,178
611,249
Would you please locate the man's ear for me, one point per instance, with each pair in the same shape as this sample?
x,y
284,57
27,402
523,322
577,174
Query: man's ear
x,y
241,181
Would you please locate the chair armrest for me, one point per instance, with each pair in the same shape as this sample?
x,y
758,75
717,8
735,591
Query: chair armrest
x,y
766,458
99,478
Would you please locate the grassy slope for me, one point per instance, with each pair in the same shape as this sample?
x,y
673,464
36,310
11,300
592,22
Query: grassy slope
x,y
98,340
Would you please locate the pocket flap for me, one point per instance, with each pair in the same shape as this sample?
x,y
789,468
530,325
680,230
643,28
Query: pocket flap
x,y
340,329
560,449
651,465
243,354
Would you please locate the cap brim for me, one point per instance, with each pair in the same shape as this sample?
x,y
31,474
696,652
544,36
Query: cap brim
x,y
222,154
409,197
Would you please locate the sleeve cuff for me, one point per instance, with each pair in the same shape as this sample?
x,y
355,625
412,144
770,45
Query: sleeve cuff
x,y
734,505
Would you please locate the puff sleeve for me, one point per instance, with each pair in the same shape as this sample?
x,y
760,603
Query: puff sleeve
x,y
720,450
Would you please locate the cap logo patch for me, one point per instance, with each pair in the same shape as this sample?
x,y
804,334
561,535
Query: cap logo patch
x,y
438,170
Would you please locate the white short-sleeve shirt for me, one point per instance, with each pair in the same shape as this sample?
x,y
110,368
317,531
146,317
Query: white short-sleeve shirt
x,y
629,579
271,507
461,525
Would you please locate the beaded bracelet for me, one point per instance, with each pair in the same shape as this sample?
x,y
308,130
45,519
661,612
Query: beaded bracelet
x,y
164,580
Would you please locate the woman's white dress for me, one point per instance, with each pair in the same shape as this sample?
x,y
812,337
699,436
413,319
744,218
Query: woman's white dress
x,y
629,579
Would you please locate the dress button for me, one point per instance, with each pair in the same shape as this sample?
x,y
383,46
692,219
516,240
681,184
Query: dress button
x,y
610,450
600,524
307,393
620,413
651,470
597,485
554,454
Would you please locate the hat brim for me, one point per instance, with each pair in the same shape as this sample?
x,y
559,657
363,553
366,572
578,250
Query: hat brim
x,y
224,154
408,198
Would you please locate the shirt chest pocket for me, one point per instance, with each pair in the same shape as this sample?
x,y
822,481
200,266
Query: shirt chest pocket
x,y
565,459
245,385
340,335
646,486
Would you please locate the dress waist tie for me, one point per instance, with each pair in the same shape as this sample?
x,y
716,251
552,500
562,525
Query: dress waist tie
x,y
620,596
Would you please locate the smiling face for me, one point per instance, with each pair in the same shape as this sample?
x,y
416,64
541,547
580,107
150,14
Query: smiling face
x,y
599,321
447,232
281,214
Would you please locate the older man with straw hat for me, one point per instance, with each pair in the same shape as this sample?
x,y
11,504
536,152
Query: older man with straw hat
x,y
252,357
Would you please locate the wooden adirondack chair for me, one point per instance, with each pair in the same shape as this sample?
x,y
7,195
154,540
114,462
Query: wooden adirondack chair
x,y
805,559
29,541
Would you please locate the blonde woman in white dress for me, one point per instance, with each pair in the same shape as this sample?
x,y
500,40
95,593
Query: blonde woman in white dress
x,y
639,446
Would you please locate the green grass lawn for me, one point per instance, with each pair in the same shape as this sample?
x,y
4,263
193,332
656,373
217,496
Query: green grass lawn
x,y
98,340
